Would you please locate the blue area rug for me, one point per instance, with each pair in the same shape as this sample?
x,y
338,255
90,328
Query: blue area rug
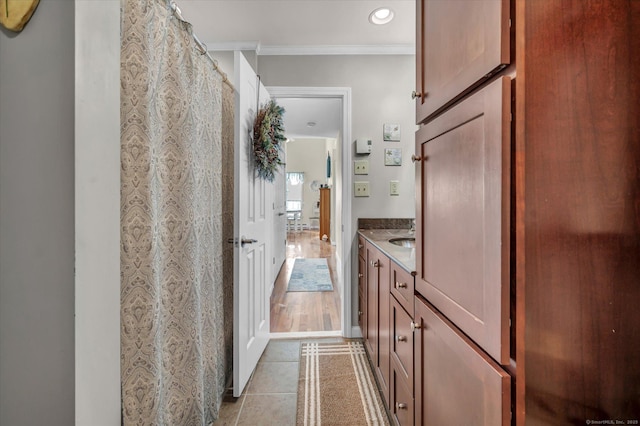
x,y
310,275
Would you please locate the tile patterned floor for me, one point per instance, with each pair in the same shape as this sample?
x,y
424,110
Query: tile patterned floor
x,y
271,394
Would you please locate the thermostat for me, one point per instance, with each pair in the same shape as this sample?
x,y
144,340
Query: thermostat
x,y
363,146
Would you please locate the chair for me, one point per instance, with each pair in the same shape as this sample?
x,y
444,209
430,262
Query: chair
x,y
294,214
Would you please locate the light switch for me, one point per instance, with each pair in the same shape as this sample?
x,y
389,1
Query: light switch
x,y
361,189
394,187
361,167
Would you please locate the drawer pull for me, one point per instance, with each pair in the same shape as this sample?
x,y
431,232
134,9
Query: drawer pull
x,y
401,285
415,326
401,406
401,338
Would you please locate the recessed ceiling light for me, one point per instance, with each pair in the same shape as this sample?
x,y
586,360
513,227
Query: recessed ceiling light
x,y
381,16
311,123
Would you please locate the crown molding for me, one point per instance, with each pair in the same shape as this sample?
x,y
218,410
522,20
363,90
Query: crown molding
x,y
314,50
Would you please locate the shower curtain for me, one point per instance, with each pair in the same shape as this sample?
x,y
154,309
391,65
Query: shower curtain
x,y
174,359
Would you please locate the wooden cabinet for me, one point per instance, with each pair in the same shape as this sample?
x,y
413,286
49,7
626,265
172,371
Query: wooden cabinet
x,y
377,322
538,228
460,44
362,285
456,383
463,256
325,213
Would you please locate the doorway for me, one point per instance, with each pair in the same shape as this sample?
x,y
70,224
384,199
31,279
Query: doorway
x,y
316,313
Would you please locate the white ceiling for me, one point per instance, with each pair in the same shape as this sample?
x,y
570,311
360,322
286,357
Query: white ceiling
x,y
277,26
303,27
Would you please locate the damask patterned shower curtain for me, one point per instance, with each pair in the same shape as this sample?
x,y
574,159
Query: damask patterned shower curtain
x,y
173,355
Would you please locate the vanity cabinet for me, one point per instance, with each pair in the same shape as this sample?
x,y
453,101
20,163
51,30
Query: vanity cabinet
x,y
460,44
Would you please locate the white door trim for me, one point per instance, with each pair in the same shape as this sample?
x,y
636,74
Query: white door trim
x,y
344,258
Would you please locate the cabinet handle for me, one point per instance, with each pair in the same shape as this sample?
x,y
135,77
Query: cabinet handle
x,y
415,94
415,158
360,275
401,406
401,285
360,246
415,326
401,338
359,313
375,264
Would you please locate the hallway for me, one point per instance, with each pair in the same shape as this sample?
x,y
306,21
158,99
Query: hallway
x,y
305,311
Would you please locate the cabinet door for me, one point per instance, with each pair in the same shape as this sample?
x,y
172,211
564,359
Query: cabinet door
x,y
362,295
456,383
371,336
384,328
463,244
459,43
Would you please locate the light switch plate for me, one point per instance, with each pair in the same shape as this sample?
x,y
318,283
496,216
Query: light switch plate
x,y
361,189
361,167
394,187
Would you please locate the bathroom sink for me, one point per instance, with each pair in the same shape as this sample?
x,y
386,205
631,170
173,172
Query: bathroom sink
x,y
408,242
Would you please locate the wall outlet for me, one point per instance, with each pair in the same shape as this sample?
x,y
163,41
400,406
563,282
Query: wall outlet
x,y
361,167
361,189
394,187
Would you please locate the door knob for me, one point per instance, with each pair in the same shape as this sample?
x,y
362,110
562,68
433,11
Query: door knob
x,y
415,158
244,241
415,94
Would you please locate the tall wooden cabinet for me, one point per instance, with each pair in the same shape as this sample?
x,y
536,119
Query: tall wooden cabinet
x,y
528,212
325,213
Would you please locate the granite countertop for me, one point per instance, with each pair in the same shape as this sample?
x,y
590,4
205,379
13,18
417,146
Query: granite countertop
x,y
403,256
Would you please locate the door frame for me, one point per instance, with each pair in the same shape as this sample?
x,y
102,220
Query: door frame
x,y
343,249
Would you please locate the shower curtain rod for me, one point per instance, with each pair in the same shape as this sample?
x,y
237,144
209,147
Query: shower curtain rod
x,y
203,47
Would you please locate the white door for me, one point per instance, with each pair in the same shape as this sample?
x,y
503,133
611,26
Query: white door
x,y
280,223
252,232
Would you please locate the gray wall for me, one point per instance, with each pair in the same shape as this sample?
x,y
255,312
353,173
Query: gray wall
x,y
37,219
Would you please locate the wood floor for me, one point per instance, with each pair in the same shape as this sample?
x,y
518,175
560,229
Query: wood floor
x,y
305,311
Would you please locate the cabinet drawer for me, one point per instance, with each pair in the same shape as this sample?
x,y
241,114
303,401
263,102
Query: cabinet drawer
x,y
456,383
463,247
402,287
401,404
402,340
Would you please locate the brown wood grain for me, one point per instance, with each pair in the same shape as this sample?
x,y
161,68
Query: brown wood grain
x,y
578,242
456,383
459,45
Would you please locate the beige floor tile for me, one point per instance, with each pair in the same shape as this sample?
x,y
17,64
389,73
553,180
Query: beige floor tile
x,y
269,410
282,350
229,412
274,377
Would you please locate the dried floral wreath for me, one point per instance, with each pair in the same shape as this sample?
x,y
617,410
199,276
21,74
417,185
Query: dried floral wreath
x,y
268,133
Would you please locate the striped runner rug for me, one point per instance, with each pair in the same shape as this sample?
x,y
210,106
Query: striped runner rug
x,y
336,386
